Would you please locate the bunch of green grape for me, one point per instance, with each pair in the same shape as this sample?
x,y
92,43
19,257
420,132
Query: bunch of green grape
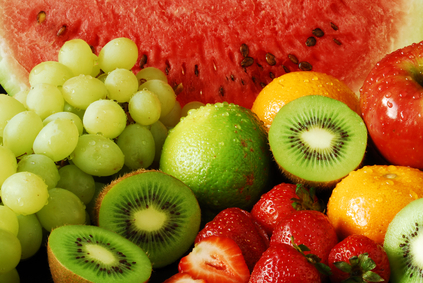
x,y
84,116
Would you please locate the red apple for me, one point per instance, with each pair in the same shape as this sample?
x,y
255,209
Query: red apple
x,y
391,101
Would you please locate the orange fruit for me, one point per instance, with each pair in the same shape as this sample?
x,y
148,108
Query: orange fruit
x,y
366,201
293,85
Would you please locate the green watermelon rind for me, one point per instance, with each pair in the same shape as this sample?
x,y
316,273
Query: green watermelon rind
x,y
12,81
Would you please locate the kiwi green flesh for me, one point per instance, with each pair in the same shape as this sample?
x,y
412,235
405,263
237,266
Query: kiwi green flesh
x,y
154,210
84,253
404,243
317,140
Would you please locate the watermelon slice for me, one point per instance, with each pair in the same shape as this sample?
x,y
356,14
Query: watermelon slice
x,y
220,50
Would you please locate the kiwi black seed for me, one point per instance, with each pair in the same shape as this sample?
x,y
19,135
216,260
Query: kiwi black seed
x,y
317,140
404,243
85,253
154,210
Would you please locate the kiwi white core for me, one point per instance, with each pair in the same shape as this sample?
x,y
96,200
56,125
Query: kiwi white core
x,y
101,254
416,246
150,219
318,138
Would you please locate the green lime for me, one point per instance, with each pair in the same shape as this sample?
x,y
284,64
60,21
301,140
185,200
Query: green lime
x,y
221,152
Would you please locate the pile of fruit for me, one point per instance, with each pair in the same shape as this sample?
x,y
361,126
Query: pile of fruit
x,y
106,169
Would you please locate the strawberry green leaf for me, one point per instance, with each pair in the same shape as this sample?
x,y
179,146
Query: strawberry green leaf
x,y
303,248
354,260
343,266
323,268
371,276
366,262
359,268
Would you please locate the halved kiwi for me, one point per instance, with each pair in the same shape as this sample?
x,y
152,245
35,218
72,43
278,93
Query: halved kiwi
x,y
404,243
83,253
317,140
154,210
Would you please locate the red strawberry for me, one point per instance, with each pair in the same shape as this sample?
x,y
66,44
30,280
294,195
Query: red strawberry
x,y
310,228
183,278
359,258
238,225
280,201
216,260
285,263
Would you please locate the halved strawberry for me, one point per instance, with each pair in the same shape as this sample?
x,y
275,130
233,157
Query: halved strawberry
x,y
217,260
183,278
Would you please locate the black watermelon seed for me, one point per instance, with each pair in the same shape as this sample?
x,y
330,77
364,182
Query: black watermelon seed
x,y
318,32
305,66
311,41
244,50
246,62
293,58
270,59
335,27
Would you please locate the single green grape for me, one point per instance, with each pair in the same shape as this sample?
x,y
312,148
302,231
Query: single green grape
x,y
57,139
50,72
120,52
105,117
45,99
174,116
159,132
9,107
41,165
82,90
24,192
77,55
63,208
121,84
30,235
8,162
97,155
10,248
11,276
21,131
77,181
144,107
8,220
151,73
66,115
164,92
138,146
190,105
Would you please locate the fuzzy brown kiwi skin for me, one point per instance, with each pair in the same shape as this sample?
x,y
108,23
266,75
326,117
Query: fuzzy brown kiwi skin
x,y
107,188
59,272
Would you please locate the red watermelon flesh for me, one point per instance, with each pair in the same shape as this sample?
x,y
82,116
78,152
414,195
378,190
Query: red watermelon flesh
x,y
198,42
